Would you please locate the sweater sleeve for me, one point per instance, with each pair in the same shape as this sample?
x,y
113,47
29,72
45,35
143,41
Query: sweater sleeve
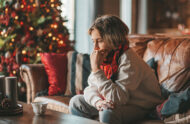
x,y
118,91
91,94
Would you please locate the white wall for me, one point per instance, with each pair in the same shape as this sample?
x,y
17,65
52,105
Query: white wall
x,y
142,17
126,12
84,11
68,12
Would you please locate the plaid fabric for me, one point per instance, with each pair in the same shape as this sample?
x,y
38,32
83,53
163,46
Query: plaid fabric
x,y
110,64
183,118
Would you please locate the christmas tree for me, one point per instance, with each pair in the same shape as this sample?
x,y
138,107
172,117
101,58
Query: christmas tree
x,y
27,28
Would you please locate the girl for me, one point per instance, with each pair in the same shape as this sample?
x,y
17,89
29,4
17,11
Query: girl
x,y
122,88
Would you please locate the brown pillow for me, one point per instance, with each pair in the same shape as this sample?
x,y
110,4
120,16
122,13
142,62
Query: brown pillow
x,y
183,118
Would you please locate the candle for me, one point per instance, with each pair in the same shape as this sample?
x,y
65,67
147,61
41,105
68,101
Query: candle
x,y
11,90
2,85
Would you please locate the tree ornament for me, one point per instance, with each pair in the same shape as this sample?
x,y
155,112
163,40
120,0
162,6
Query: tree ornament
x,y
8,55
3,32
17,5
39,32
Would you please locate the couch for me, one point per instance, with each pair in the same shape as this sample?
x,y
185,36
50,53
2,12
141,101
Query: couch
x,y
171,53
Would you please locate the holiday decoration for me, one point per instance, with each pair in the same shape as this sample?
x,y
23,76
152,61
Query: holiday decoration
x,y
27,28
6,103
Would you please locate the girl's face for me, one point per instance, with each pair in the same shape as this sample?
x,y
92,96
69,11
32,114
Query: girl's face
x,y
99,43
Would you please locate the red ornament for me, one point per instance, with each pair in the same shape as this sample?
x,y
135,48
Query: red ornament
x,y
25,59
13,14
4,20
21,23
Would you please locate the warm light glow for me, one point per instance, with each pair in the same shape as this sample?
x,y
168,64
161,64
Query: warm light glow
x,y
6,10
55,26
14,72
5,35
13,40
31,28
63,23
50,34
34,5
31,1
22,6
52,1
50,47
16,17
57,39
25,59
47,10
61,42
10,44
54,38
52,25
24,52
21,23
60,36
52,5
28,6
38,54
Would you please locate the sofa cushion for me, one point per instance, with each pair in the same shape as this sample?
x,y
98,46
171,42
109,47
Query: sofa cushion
x,y
139,42
56,69
173,59
153,64
57,103
78,71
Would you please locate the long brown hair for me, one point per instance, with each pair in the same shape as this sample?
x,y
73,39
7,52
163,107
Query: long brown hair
x,y
111,29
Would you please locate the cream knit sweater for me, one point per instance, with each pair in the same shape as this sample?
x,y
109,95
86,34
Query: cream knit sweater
x,y
136,84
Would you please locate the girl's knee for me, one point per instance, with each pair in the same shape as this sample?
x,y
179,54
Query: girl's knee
x,y
109,116
75,100
106,113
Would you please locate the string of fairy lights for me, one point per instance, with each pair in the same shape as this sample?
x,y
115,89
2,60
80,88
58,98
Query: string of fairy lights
x,y
32,26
